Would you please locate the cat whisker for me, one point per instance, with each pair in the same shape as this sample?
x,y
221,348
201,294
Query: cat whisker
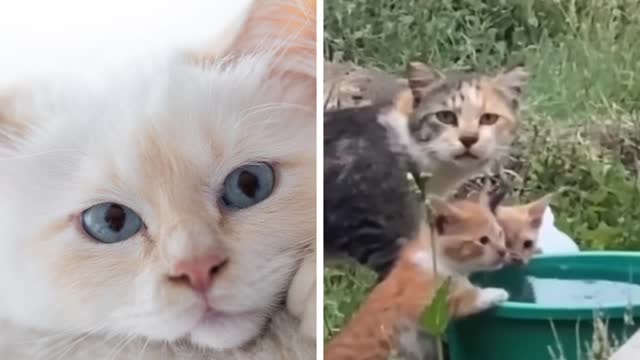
x,y
57,335
143,349
125,342
77,341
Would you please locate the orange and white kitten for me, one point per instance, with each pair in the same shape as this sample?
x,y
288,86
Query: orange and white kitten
x,y
164,205
521,224
468,239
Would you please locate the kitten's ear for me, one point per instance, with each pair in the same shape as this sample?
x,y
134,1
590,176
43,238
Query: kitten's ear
x,y
536,209
284,28
513,82
421,76
444,213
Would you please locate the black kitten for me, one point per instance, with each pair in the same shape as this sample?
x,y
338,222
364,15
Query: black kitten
x,y
368,204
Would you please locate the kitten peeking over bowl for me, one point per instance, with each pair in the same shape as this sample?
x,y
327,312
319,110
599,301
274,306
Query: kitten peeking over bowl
x,y
521,224
167,203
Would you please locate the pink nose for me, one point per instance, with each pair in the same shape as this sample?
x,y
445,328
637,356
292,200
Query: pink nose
x,y
198,272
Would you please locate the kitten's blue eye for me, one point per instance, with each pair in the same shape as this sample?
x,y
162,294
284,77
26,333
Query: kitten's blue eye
x,y
248,185
110,222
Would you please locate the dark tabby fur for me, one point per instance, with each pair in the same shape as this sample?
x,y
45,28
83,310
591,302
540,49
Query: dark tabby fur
x,y
368,205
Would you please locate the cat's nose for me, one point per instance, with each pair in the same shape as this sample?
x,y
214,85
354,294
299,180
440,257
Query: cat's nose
x,y
468,140
198,272
502,253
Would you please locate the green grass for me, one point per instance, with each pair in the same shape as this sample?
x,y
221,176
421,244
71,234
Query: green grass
x,y
581,130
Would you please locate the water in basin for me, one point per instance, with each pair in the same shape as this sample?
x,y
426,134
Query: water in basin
x,y
575,292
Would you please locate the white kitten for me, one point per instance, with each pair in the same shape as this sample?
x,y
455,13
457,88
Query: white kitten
x,y
169,201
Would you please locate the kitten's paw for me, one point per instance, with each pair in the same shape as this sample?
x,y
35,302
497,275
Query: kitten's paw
x,y
301,299
490,297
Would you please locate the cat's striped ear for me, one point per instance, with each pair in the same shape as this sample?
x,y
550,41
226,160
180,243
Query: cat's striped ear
x,y
512,83
403,102
421,77
284,28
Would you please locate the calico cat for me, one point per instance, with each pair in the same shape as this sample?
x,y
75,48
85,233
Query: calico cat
x,y
454,128
462,122
468,238
165,204
521,224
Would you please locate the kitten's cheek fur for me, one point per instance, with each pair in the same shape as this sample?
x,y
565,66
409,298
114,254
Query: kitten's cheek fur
x,y
229,333
301,299
158,329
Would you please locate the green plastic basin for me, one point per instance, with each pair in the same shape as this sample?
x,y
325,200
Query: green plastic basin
x,y
562,314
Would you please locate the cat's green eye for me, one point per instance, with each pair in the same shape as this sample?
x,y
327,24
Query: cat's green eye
x,y
248,185
447,117
488,119
110,222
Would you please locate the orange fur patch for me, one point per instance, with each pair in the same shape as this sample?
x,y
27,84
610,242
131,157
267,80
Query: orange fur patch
x,y
9,124
393,306
403,102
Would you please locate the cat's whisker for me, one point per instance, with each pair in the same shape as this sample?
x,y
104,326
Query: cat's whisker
x,y
143,349
44,352
125,342
57,335
78,341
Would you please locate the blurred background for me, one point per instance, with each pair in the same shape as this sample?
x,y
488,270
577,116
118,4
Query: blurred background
x,y
67,36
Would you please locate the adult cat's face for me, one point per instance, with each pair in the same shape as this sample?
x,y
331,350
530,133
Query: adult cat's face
x,y
168,201
465,120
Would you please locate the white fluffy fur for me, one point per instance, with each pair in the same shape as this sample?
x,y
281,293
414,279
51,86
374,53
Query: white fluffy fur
x,y
283,341
159,138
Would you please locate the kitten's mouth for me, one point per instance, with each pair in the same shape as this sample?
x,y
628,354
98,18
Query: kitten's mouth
x,y
466,155
209,315
212,315
498,264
